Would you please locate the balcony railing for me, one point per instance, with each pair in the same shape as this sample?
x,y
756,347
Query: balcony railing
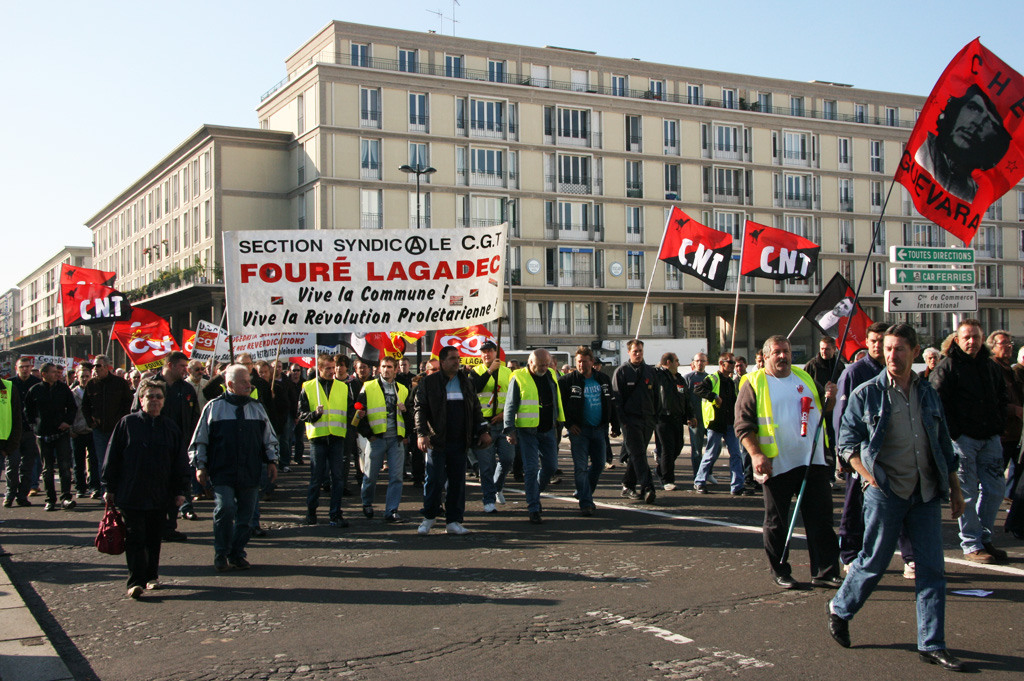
x,y
797,200
576,138
634,283
581,278
574,185
371,220
846,205
369,118
634,143
418,122
728,196
369,171
558,326
487,129
633,236
572,231
535,325
616,328
584,326
509,78
634,190
478,179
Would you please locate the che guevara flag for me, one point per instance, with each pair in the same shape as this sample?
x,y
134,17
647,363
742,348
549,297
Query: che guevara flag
x,y
87,297
468,340
146,339
967,148
777,254
834,309
375,346
696,249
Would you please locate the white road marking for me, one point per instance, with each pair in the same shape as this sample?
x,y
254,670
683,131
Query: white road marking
x,y
620,621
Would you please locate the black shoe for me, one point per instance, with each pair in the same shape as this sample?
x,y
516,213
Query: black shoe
x,y
174,535
8,502
840,628
749,491
650,496
189,515
998,554
368,511
630,494
785,581
310,518
535,518
393,517
736,493
339,522
942,658
239,563
49,506
95,494
22,501
586,511
833,582
259,532
68,504
220,564
700,489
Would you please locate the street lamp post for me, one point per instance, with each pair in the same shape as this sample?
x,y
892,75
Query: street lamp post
x,y
418,170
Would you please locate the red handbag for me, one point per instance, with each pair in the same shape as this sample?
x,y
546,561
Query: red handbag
x,y
110,537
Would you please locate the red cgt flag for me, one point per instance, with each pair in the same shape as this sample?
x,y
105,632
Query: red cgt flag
x,y
967,148
777,254
696,249
468,340
188,341
146,339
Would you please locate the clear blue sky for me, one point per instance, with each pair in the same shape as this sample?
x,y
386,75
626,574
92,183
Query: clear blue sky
x,y
96,93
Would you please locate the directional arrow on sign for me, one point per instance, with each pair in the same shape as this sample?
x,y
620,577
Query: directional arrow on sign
x,y
897,301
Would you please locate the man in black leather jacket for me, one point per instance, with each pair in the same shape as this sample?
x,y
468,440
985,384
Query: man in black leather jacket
x,y
674,414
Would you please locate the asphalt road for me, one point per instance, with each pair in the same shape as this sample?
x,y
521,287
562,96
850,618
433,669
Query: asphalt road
x,y
679,590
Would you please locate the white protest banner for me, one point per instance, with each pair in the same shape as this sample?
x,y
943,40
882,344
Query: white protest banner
x,y
358,282
40,360
211,342
265,345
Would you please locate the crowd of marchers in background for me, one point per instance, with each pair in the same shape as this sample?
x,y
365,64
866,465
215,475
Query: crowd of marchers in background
x,y
156,443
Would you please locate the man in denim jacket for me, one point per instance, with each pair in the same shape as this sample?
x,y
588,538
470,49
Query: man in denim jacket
x,y
894,435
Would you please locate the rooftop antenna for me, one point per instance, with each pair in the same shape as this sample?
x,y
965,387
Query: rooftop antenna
x,y
440,16
454,3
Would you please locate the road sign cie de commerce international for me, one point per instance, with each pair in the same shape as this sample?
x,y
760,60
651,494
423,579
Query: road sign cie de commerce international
x,y
928,254
931,301
913,277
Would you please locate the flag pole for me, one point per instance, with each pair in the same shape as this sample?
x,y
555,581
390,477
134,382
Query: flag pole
x,y
280,342
736,305
798,323
650,282
821,419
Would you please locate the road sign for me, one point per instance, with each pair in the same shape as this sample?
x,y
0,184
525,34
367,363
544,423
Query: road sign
x,y
927,254
931,301
911,277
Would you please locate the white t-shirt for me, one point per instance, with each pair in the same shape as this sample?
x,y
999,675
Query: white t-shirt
x,y
794,450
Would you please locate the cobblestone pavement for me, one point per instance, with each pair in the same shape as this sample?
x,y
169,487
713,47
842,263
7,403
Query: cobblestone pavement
x,y
627,594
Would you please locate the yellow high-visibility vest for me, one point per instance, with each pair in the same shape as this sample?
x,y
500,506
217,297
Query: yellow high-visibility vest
x,y
334,420
528,415
487,394
377,408
765,421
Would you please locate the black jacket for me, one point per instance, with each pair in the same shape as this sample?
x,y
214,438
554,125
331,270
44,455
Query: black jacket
x,y
431,409
726,414
824,370
22,387
146,466
673,397
49,405
571,387
181,406
106,401
973,393
634,395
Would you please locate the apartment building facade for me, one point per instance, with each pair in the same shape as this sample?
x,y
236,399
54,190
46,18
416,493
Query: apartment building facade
x,y
40,326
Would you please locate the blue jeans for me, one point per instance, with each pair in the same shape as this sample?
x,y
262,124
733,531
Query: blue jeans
x,y
494,457
393,448
285,439
588,458
981,481
697,436
326,454
884,518
712,449
232,517
540,460
446,468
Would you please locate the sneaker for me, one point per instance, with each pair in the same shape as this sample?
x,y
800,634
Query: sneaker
x,y
425,526
712,480
982,557
240,563
489,508
909,570
68,504
135,592
8,502
338,521
669,486
845,567
455,528
650,496
153,585
95,494
81,495
189,515
35,492
500,498
393,517
49,506
368,511
220,564
310,518
286,469
628,493
700,489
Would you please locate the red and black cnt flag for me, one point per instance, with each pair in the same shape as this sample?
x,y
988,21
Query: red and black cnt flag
x,y
967,148
696,249
834,309
777,254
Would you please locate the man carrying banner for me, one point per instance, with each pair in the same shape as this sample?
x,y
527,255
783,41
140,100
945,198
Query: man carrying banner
x,y
777,410
449,421
498,453
232,442
635,398
533,420
587,399
388,418
324,406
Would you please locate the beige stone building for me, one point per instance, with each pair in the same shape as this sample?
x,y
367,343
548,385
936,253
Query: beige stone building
x,y
41,328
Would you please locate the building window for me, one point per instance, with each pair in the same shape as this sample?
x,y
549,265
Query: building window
x,y
728,99
727,142
846,240
195,178
695,94
418,112
876,196
300,108
370,209
727,185
573,126
764,102
487,119
185,230
877,160
634,179
619,86
634,224
369,107
576,267
407,60
661,319
796,106
671,133
207,220
922,234
453,66
360,55
583,318
845,158
828,109
795,147
891,117
656,89
207,171
495,71
846,194
673,189
860,113
488,167
369,159
878,230
424,211
185,186
574,175
634,133
419,158
634,269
